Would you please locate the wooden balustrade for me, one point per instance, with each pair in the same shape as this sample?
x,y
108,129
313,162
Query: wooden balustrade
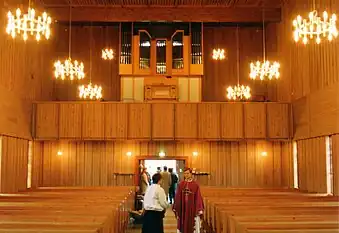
x,y
161,121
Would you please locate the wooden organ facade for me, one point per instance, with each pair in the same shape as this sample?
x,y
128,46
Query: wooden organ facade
x,y
155,57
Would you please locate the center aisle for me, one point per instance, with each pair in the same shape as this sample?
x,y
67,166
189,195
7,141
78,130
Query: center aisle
x,y
170,223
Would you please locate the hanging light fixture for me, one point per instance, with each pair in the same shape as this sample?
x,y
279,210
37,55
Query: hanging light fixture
x,y
218,53
93,92
28,24
238,92
315,27
69,68
107,53
266,68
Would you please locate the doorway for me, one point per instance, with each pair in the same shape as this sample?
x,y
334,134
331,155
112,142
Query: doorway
x,y
153,164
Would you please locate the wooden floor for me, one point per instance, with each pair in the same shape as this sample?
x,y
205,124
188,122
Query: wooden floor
x,y
170,224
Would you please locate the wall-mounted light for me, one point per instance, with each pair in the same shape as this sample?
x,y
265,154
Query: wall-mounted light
x,y
195,153
162,154
59,153
129,154
264,154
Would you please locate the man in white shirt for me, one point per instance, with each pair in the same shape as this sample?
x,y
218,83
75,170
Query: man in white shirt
x,y
155,205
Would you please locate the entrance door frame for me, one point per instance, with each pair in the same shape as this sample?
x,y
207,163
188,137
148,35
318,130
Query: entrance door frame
x,y
153,157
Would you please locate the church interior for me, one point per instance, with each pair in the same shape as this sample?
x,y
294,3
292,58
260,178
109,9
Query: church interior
x,y
243,92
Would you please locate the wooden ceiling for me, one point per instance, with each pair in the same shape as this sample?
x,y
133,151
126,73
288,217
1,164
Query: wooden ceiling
x,y
166,3
233,11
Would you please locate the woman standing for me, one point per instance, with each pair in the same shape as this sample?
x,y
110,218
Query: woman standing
x,y
143,181
155,205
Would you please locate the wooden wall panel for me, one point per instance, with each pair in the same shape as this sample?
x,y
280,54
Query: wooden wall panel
x,y
301,118
70,120
230,164
14,160
324,111
312,165
37,164
335,163
278,120
93,117
162,121
25,68
186,121
116,121
232,121
209,121
317,114
47,119
218,75
104,72
287,165
255,120
139,121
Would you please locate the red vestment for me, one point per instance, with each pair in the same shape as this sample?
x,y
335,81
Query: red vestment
x,y
188,204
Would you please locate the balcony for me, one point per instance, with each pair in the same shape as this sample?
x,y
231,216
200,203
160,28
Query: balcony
x,y
161,121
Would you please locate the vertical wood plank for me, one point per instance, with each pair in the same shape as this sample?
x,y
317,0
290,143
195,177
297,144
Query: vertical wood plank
x,y
255,120
47,121
139,121
278,123
116,121
93,121
70,121
162,121
209,120
232,121
186,121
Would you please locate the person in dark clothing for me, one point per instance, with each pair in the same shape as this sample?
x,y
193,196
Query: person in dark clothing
x,y
172,188
155,205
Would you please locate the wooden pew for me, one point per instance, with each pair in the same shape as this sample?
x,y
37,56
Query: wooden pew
x,y
269,211
61,210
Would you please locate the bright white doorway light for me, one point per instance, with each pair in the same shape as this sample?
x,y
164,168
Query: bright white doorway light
x,y
152,165
29,164
329,169
295,166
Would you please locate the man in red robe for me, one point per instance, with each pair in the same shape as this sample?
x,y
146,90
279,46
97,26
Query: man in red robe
x,y
188,205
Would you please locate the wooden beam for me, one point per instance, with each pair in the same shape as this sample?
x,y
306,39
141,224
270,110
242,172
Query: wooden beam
x,y
185,14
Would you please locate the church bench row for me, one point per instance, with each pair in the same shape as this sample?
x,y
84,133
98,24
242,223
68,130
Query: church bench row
x,y
63,210
269,211
161,121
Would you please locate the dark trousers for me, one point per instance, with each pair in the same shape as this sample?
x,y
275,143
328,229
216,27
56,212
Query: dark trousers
x,y
171,193
153,222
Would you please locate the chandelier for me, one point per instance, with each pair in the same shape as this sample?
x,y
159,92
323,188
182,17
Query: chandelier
x,y
69,68
315,27
107,54
266,68
238,92
28,24
218,54
90,91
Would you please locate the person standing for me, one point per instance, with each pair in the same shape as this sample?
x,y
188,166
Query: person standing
x,y
144,182
188,204
166,180
174,181
155,205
